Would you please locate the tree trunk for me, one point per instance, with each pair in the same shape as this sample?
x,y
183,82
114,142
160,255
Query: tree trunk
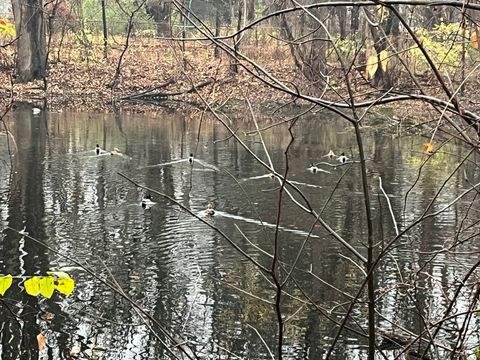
x,y
391,30
236,40
250,10
341,12
309,56
354,23
31,44
218,24
160,11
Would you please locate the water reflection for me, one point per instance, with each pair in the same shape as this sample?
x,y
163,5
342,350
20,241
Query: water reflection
x,y
190,279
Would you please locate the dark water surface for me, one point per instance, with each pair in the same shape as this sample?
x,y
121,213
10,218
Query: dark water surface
x,y
198,287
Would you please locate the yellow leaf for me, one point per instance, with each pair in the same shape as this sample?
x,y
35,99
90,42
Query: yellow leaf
x,y
46,286
428,148
63,282
32,286
65,286
5,283
42,342
474,40
372,66
384,58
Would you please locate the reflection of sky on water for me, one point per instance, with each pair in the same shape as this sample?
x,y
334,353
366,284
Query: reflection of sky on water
x,y
189,278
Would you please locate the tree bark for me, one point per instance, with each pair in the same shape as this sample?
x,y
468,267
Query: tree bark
x,y
354,20
218,24
341,12
389,28
250,10
160,11
31,44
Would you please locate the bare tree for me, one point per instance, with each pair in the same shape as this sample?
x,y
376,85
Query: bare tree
x,y
31,44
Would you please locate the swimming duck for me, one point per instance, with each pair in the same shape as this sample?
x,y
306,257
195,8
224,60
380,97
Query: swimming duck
x,y
147,201
343,158
97,149
115,151
190,159
314,169
330,155
209,210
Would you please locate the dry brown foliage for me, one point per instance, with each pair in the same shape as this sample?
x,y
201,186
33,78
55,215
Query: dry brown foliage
x,y
81,79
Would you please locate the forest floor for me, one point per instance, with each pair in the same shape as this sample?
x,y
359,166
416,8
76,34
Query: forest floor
x,y
80,78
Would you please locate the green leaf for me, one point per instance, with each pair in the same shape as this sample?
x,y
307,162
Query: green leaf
x,y
32,286
5,283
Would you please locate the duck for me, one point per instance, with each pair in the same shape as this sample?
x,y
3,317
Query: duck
x,y
97,149
314,169
147,201
36,111
190,159
330,155
115,151
343,158
209,210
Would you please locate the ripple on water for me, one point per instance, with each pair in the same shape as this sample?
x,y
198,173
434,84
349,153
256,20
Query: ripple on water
x,y
169,262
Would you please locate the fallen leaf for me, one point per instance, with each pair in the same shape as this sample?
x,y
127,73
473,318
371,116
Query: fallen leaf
x,y
42,342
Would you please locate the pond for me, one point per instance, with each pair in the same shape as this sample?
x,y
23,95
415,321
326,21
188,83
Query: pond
x,y
197,274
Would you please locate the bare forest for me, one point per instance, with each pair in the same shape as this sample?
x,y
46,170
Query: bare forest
x,y
382,220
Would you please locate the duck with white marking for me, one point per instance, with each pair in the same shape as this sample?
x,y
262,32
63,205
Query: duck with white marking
x,y
190,159
330,155
147,202
115,151
209,210
343,158
314,169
